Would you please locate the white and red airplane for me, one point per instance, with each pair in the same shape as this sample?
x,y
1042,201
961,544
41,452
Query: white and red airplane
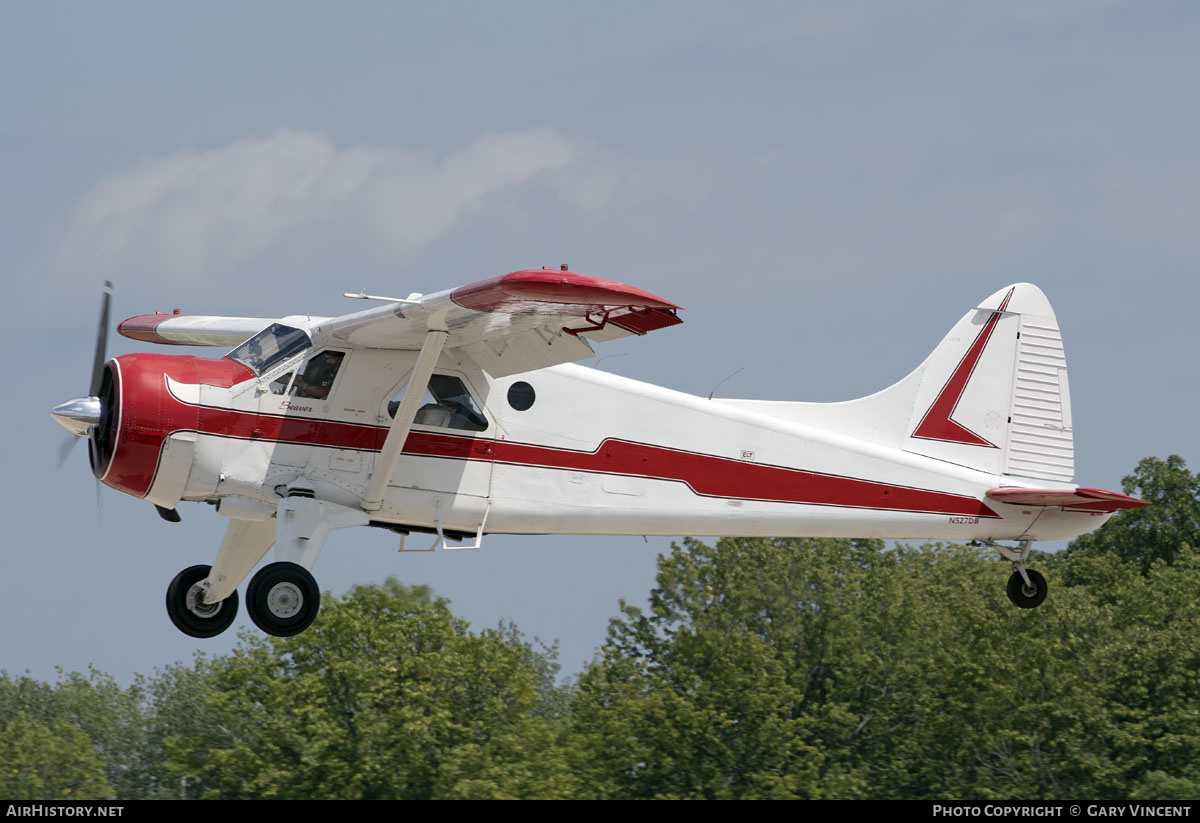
x,y
462,414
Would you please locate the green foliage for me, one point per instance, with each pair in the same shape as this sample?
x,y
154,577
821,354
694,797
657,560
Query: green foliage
x,y
705,695
1155,532
49,761
387,695
830,668
94,709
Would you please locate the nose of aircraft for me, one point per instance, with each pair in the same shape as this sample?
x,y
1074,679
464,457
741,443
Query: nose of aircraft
x,y
78,415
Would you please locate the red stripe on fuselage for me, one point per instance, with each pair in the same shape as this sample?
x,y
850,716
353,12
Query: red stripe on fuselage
x,y
712,476
705,474
937,424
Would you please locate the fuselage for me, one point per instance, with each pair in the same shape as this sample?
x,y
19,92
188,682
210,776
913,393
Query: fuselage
x,y
565,450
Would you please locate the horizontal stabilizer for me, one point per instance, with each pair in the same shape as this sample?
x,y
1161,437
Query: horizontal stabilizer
x,y
1092,500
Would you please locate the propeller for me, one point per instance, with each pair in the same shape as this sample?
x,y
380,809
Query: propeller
x,y
81,416
100,357
65,447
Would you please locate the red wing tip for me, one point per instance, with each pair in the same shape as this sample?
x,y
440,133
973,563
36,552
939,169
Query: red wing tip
x,y
1079,499
144,327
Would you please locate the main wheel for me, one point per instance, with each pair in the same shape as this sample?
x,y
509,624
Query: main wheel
x,y
1027,597
283,599
188,611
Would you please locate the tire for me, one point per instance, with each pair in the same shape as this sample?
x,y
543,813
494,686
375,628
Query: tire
x,y
283,599
187,611
1022,596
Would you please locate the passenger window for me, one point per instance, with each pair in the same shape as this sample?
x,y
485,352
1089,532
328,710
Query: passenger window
x,y
317,376
446,404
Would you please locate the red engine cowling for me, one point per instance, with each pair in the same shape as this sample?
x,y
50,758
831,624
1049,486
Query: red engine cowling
x,y
139,413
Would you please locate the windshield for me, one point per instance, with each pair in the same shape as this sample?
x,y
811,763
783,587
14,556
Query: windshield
x,y
270,347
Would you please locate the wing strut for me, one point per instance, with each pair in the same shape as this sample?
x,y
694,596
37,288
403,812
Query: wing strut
x,y
385,464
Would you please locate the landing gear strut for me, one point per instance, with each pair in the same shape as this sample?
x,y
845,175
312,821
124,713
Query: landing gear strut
x,y
283,599
1026,588
188,611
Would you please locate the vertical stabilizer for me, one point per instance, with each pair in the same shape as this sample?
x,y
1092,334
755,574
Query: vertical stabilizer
x,y
993,395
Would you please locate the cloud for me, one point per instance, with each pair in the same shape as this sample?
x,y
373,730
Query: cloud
x,y
195,213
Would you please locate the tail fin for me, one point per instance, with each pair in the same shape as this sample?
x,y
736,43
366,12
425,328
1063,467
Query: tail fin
x,y
994,393
992,396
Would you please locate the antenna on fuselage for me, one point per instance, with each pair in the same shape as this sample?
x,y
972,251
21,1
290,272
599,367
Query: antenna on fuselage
x,y
596,365
714,388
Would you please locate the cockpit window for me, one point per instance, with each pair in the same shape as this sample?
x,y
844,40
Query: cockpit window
x,y
270,347
446,404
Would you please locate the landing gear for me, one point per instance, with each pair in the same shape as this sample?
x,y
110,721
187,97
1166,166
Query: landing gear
x,y
1026,588
283,599
188,611
1026,595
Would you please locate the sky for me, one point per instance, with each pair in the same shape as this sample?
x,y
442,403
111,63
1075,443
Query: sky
x,y
826,187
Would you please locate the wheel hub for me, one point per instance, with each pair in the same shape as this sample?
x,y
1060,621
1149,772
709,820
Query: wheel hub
x,y
284,600
197,606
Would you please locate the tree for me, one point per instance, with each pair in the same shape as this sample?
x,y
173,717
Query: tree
x,y
180,707
705,695
387,695
56,761
91,707
832,668
1154,532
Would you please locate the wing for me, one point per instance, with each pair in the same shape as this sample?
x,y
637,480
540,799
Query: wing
x,y
192,330
517,322
514,323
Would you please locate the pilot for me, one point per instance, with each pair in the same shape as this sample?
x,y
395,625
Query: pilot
x,y
318,377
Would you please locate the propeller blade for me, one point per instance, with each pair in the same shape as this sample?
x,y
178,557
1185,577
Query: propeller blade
x,y
65,448
101,340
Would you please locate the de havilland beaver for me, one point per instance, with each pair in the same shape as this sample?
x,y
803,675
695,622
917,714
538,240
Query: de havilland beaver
x,y
462,414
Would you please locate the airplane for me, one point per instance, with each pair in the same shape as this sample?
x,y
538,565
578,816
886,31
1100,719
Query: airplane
x,y
464,413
